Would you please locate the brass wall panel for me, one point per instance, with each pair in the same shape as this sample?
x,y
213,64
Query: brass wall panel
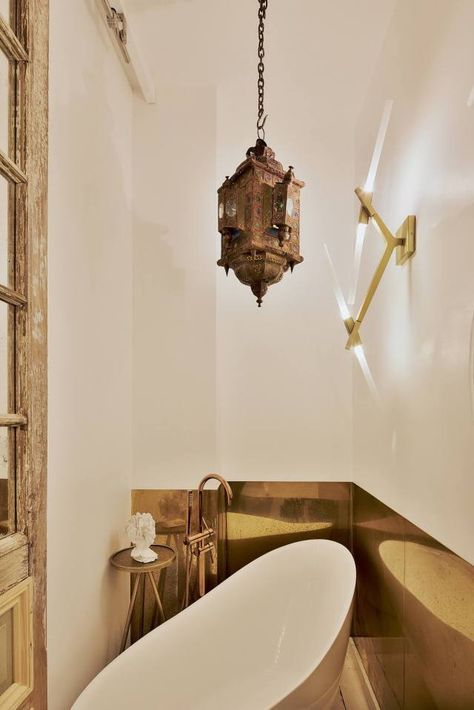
x,y
266,515
377,621
168,508
414,617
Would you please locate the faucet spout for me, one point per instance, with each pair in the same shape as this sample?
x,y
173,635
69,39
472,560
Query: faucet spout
x,y
222,481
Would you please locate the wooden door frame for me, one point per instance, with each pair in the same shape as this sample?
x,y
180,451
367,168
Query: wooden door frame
x,y
23,553
35,26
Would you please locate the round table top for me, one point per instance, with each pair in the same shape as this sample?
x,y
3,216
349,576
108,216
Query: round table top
x,y
124,561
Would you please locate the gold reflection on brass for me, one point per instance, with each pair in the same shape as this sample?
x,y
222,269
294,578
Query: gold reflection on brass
x,y
251,526
414,620
268,514
449,586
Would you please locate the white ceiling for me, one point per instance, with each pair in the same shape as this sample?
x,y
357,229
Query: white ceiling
x,y
324,46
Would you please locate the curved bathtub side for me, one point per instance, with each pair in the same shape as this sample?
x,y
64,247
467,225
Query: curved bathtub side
x,y
319,690
275,636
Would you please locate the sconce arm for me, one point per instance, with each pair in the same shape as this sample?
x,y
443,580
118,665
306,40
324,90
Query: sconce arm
x,y
377,277
404,239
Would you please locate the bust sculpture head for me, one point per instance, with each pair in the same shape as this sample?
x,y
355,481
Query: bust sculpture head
x,y
141,532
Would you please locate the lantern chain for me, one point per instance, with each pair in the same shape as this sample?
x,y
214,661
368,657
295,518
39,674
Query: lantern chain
x,y
262,11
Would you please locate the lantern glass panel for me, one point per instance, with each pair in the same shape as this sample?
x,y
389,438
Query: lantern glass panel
x,y
231,207
279,203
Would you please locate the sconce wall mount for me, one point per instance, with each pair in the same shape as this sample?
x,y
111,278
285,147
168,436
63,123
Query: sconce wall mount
x,y
403,241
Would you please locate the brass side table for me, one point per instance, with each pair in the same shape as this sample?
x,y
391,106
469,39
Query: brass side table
x,y
123,561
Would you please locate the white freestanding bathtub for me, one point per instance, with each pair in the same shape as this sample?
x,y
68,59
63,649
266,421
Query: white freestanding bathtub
x,y
274,635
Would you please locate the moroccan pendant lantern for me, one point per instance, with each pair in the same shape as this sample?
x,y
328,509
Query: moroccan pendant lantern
x,y
259,207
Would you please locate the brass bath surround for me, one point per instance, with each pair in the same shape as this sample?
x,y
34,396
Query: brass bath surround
x,y
414,608
414,612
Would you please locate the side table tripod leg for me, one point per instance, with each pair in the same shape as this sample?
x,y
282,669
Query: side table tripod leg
x,y
129,613
157,596
156,615
162,573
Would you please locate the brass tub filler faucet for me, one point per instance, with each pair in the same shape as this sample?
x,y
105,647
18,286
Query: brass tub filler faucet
x,y
202,542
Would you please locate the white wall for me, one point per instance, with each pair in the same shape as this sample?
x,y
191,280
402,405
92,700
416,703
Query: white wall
x,y
90,329
217,382
174,394
416,450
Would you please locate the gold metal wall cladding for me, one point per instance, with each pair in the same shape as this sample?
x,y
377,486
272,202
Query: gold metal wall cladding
x,y
262,516
266,515
168,508
414,614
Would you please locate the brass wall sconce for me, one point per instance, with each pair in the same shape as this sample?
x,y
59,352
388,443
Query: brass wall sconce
x,y
404,241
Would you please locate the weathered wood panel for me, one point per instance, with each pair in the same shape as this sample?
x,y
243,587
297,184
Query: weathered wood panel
x,y
13,567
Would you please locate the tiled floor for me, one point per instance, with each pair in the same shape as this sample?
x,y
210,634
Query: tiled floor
x,y
355,692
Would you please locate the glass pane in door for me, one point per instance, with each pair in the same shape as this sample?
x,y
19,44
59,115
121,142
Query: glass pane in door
x,y
4,102
5,255
6,482
6,312
5,10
